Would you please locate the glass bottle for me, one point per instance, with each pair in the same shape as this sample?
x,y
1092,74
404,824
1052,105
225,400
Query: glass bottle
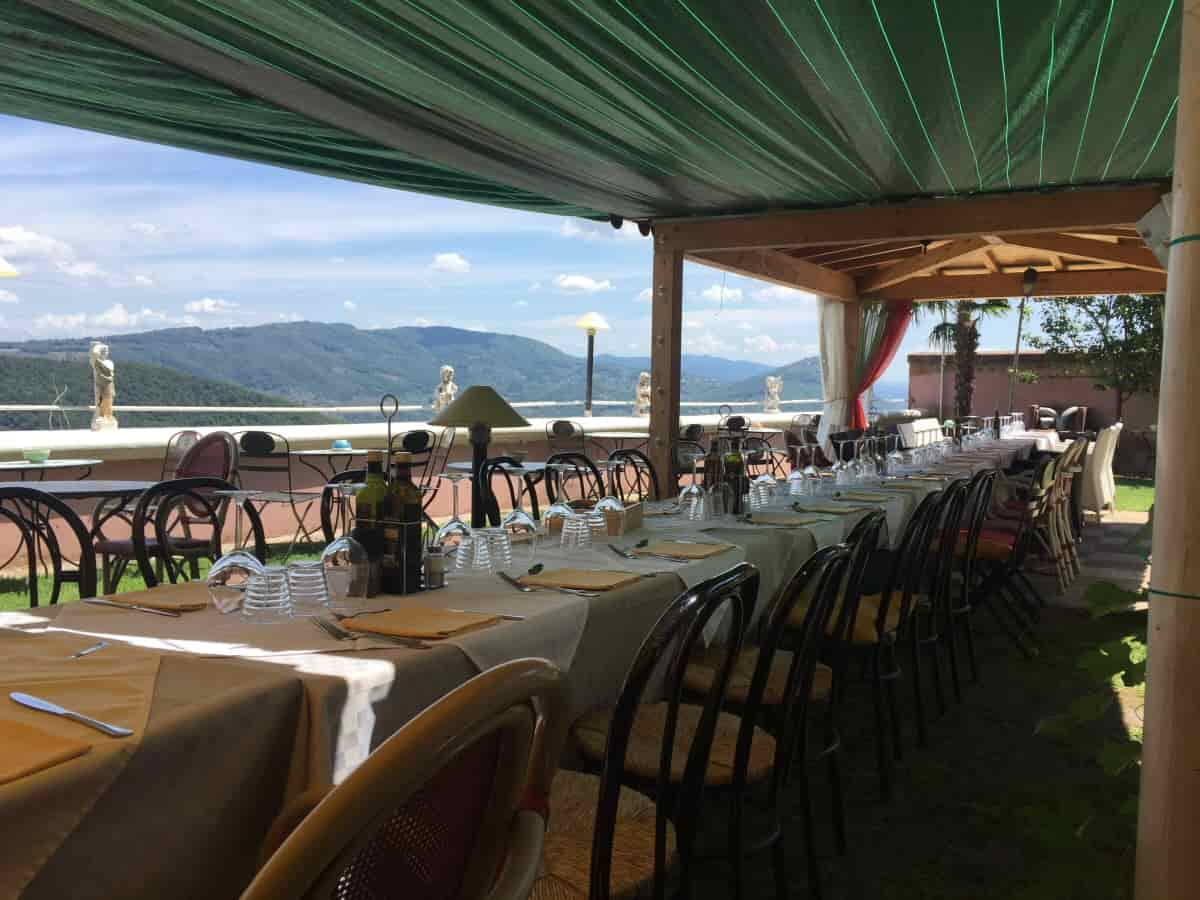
x,y
735,474
369,511
402,530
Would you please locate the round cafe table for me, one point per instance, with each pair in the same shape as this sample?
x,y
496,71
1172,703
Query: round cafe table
x,y
619,438
25,466
330,456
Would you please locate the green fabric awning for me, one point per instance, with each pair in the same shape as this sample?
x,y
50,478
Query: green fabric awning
x,y
642,109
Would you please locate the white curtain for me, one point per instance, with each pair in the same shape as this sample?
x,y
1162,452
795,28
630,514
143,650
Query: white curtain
x,y
835,370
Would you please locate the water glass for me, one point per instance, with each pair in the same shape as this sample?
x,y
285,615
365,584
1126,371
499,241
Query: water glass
x,y
473,553
308,589
267,600
347,569
499,546
698,508
576,532
227,579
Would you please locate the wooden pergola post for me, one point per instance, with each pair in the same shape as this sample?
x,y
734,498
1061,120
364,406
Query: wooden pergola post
x,y
666,350
1168,851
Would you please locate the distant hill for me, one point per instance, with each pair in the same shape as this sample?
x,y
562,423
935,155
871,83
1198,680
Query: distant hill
x,y
37,379
716,368
801,379
321,363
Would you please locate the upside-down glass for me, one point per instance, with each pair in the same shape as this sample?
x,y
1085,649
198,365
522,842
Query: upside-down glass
x,y
576,532
347,570
227,579
521,525
455,531
267,600
692,492
560,509
307,587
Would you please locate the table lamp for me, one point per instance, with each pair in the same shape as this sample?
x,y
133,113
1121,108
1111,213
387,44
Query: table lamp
x,y
479,409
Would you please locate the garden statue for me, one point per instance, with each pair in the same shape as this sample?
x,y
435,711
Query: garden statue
x,y
773,394
641,400
446,391
105,385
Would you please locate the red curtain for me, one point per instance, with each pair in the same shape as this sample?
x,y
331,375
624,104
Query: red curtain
x,y
898,317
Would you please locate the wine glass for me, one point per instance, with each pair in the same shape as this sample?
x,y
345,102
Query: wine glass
x,y
452,534
693,492
518,523
561,508
228,576
347,570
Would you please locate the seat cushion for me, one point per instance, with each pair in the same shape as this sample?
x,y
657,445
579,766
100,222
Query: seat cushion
x,y
567,852
995,544
864,623
646,737
702,670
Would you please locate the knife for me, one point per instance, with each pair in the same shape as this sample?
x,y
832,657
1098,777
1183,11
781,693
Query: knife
x,y
100,601
55,710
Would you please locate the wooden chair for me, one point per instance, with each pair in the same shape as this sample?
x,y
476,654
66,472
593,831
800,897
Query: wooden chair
x,y
606,840
45,523
453,805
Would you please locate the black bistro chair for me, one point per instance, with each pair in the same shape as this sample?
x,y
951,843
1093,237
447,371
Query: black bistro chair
x,y
46,526
632,477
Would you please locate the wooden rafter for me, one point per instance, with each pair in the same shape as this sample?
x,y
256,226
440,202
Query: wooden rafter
x,y
1049,284
990,263
836,255
1077,210
916,265
779,268
1127,255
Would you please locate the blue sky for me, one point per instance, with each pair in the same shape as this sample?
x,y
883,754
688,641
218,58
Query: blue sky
x,y
112,235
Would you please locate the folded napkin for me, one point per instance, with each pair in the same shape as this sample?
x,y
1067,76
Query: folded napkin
x,y
832,510
28,750
902,486
187,597
864,497
671,510
926,478
682,549
581,579
782,520
421,622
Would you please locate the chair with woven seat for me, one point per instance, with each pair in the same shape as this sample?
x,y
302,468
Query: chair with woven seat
x,y
611,858
213,456
167,524
45,525
769,680
453,805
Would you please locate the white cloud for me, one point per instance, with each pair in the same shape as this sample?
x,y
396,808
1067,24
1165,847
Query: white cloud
x,y
716,293
455,263
60,321
210,306
583,284
116,318
705,342
145,229
745,326
645,295
18,242
777,293
521,303
349,305
143,281
79,269
9,297
290,317
760,343
536,286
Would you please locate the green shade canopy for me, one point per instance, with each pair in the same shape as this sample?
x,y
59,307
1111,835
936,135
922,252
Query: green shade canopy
x,y
652,109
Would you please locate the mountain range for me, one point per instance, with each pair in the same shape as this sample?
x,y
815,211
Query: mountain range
x,y
320,363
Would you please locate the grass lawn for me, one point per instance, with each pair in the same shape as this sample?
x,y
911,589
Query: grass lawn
x,y
1135,494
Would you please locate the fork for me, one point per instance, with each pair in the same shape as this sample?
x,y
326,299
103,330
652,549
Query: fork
x,y
526,589
338,633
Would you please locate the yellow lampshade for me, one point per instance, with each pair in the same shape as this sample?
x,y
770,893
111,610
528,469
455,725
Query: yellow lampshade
x,y
479,405
6,270
592,322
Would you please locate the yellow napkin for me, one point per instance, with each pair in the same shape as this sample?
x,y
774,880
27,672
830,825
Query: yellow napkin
x,y
186,597
682,549
581,579
28,750
781,520
832,510
421,622
864,497
902,486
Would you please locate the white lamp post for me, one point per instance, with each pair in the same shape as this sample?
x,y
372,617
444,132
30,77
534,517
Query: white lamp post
x,y
591,323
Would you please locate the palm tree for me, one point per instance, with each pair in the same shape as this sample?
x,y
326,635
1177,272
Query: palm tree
x,y
961,337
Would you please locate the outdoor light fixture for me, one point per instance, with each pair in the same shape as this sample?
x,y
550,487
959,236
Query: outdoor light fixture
x,y
1028,283
6,270
479,409
591,323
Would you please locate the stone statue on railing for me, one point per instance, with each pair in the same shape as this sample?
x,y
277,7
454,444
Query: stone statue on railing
x,y
773,394
446,391
641,399
105,383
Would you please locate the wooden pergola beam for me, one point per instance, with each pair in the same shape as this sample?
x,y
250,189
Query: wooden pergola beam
x,y
1101,251
779,268
1076,209
916,265
1049,284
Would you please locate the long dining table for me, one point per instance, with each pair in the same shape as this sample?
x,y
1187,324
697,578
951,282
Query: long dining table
x,y
235,723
